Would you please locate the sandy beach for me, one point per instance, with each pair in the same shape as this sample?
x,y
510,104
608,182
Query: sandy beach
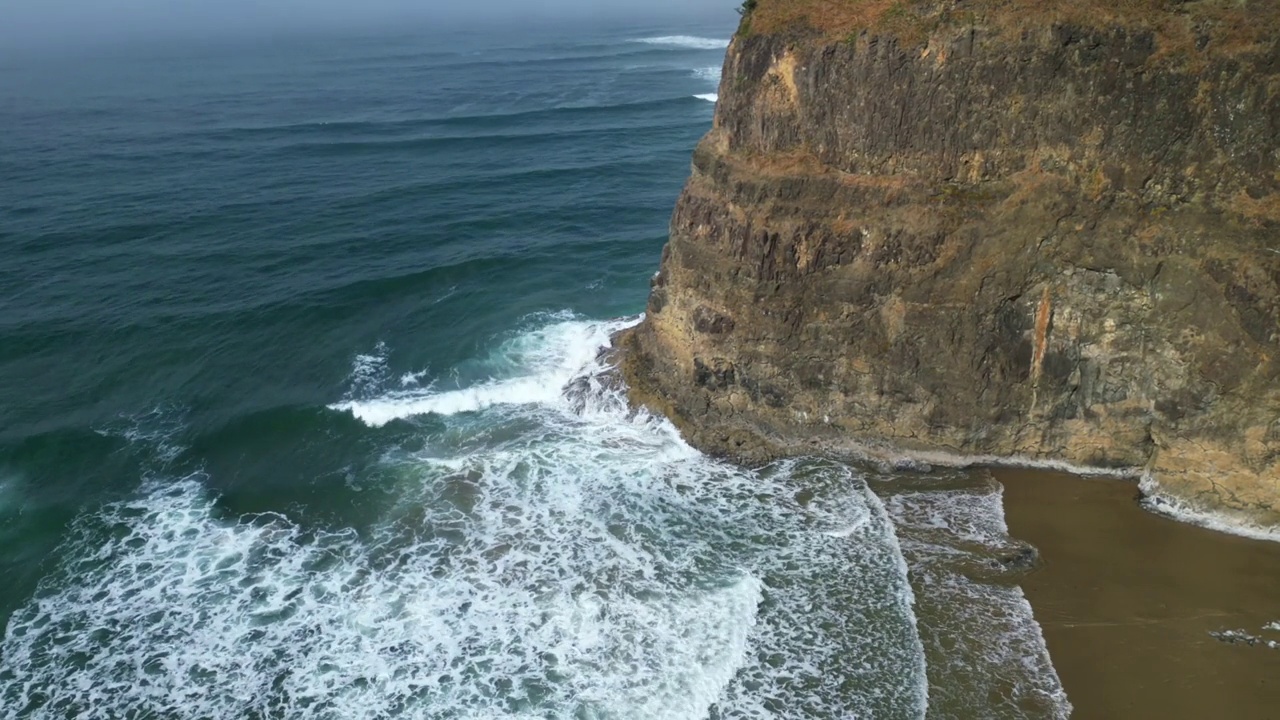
x,y
1128,601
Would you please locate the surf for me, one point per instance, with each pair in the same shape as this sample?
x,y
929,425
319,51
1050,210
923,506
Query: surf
x,y
560,557
690,42
532,368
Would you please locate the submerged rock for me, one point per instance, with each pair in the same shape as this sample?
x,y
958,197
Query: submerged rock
x,y
985,229
1022,559
1242,637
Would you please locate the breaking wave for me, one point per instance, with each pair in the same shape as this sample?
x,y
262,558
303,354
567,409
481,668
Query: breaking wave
x,y
532,368
557,555
686,41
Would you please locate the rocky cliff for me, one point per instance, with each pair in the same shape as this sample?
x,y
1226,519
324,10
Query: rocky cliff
x,y
1046,230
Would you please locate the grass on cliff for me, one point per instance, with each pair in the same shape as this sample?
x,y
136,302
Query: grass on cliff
x,y
1219,26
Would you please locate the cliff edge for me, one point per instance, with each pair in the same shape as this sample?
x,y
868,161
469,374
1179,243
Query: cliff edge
x,y
1046,230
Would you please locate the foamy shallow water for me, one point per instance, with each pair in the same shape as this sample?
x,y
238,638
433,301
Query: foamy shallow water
x,y
556,556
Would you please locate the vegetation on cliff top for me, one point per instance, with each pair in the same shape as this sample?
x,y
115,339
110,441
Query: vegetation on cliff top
x,y
1215,26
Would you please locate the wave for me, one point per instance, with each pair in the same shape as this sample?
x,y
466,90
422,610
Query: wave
x,y
561,559
472,124
553,552
686,41
709,97
592,56
711,73
572,556
983,644
620,135
540,364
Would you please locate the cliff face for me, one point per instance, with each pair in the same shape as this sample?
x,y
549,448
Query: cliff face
x,y
974,234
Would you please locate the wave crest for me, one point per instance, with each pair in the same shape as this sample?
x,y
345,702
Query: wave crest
x,y
538,365
686,41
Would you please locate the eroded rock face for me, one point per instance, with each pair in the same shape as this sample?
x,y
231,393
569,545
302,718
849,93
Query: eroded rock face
x,y
1060,245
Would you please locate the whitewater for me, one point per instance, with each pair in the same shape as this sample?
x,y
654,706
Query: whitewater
x,y
552,554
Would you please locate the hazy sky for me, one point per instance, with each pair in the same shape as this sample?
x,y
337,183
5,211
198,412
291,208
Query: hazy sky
x,y
50,22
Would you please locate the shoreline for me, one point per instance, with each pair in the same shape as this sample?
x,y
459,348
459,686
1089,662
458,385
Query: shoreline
x,y
1128,600
1152,497
1162,504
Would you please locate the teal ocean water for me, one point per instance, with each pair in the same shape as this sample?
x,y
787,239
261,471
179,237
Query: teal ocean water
x,y
301,411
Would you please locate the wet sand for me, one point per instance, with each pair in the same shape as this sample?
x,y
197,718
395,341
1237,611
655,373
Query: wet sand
x,y
1127,600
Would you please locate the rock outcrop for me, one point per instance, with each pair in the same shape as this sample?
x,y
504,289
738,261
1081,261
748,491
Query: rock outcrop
x,y
1038,229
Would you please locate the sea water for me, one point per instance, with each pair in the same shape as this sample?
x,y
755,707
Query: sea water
x,y
304,414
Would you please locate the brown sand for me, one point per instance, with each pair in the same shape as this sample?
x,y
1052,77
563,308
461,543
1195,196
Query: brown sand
x,y
1127,600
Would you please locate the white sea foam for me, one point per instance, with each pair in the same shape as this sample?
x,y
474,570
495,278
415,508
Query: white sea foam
x,y
710,73
572,559
686,41
984,647
540,363
837,636
414,379
155,432
186,615
709,97
1157,501
369,372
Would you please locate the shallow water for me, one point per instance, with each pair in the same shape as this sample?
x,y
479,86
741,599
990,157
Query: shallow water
x,y
1131,602
303,415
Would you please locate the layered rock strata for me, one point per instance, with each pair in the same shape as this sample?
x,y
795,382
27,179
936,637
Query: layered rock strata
x,y
952,233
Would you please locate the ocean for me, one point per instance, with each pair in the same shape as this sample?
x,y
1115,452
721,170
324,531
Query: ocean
x,y
303,412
